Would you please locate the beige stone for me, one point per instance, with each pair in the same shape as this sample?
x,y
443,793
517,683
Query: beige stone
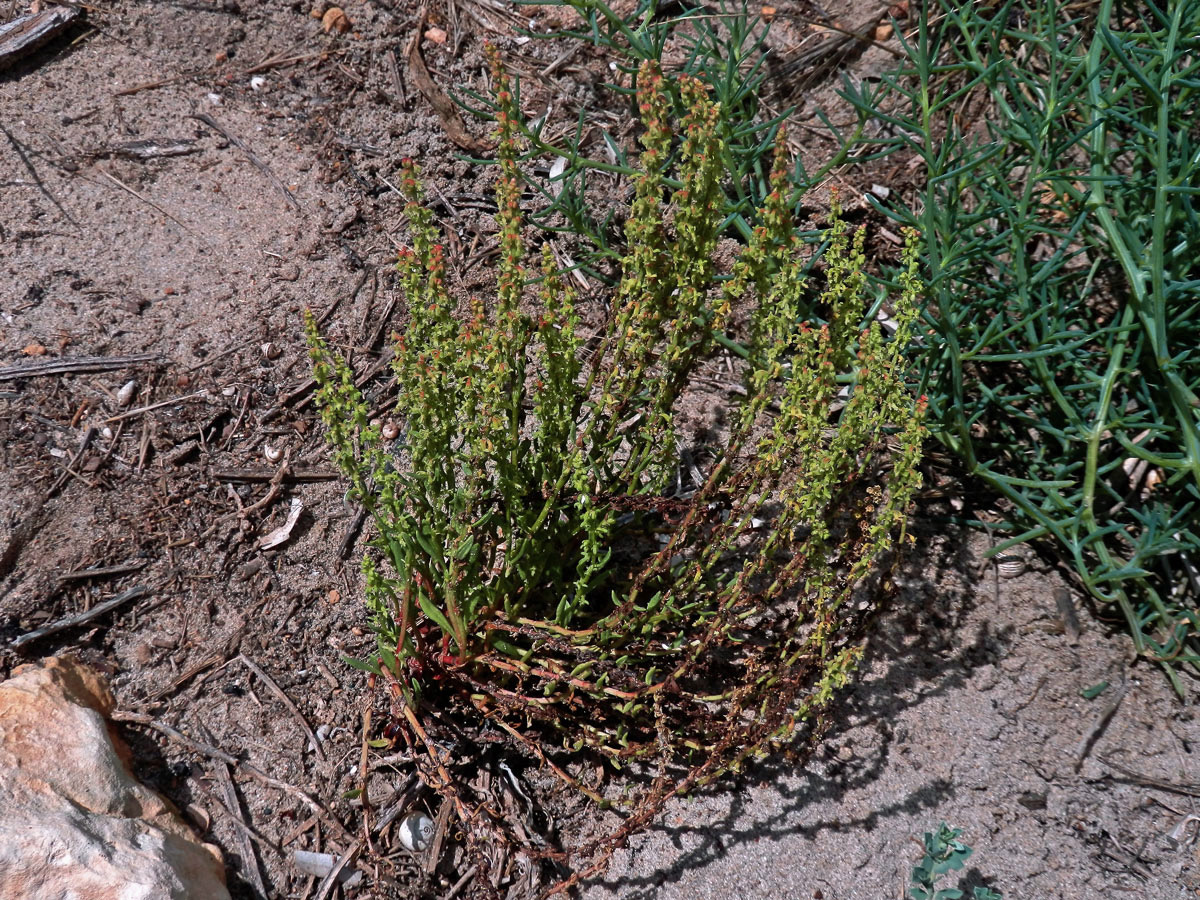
x,y
73,820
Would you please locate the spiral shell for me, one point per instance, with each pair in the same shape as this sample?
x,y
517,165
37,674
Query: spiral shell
x,y
416,831
1010,565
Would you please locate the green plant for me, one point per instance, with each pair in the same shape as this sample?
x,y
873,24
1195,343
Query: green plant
x,y
1060,158
944,852
536,561
725,51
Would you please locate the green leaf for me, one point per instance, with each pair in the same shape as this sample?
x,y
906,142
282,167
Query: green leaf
x,y
363,665
387,657
430,609
427,544
1091,693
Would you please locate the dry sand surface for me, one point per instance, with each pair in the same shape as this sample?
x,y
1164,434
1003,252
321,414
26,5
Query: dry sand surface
x,y
269,193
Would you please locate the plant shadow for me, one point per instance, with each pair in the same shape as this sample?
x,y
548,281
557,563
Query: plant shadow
x,y
922,647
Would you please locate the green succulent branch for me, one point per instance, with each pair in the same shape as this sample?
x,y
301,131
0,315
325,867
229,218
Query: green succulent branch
x,y
1060,261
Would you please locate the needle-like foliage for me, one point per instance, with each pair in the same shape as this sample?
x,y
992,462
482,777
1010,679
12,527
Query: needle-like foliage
x,y
1061,250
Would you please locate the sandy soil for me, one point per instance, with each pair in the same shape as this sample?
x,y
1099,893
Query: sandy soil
x,y
969,709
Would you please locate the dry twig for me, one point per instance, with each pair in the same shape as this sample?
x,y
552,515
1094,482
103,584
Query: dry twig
x,y
456,129
332,878
285,699
253,771
67,366
104,572
1093,734
123,186
80,618
72,464
233,805
259,164
258,476
153,406
25,34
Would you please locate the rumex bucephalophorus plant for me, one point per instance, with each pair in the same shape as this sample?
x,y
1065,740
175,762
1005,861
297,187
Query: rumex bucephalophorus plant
x,y
725,48
536,559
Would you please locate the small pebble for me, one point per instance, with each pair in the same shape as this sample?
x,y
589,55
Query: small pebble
x,y
199,816
335,20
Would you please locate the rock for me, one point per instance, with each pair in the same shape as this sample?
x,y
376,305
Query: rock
x,y
73,820
335,20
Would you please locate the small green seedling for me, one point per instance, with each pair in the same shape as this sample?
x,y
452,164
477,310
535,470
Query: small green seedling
x,y
944,852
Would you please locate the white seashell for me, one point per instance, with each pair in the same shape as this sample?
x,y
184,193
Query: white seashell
x,y
1154,478
272,454
126,393
1010,566
106,433
271,350
416,831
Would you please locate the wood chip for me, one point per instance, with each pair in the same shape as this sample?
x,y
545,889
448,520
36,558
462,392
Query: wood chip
x,y
284,531
25,34
154,148
335,20
1066,610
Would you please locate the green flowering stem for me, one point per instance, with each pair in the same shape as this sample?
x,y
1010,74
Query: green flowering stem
x,y
532,554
